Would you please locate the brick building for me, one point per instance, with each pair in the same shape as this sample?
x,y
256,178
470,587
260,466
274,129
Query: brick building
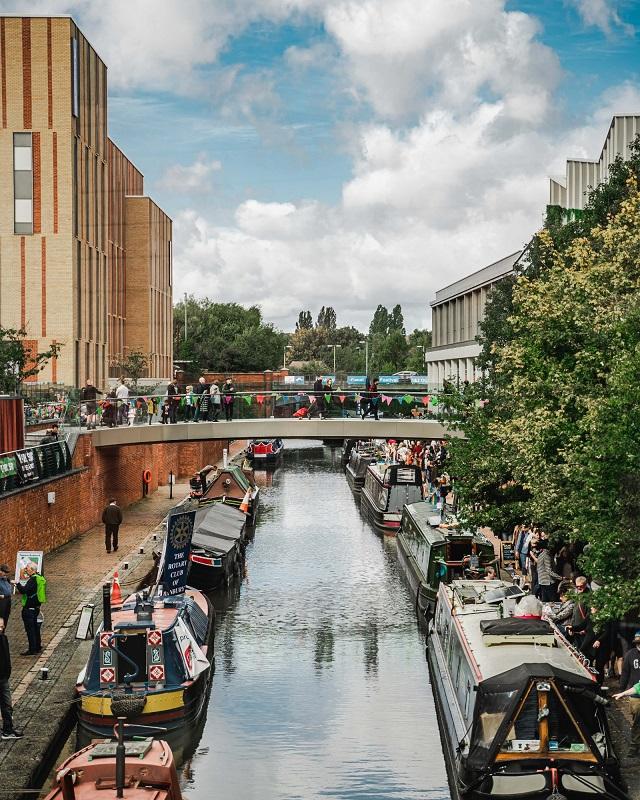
x,y
71,262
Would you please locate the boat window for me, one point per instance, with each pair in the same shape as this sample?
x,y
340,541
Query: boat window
x,y
197,620
494,709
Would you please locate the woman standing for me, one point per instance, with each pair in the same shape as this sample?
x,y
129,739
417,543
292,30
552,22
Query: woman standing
x,y
228,394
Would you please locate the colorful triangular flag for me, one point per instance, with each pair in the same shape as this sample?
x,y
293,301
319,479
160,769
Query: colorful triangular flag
x,y
247,399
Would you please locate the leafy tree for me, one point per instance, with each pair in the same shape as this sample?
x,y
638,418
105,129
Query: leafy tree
x,y
419,341
225,337
305,321
387,353
553,434
134,365
380,322
18,361
396,319
327,318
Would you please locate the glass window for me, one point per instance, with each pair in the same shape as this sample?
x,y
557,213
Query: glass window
x,y
22,183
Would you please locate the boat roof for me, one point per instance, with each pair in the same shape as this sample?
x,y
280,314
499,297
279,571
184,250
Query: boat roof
x,y
423,511
494,660
218,527
163,616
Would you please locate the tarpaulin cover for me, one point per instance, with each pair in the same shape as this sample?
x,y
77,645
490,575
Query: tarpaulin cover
x,y
515,626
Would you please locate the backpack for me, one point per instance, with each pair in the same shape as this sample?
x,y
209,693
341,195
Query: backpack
x,y
42,588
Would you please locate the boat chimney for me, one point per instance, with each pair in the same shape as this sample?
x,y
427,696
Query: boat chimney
x,y
143,608
106,606
65,779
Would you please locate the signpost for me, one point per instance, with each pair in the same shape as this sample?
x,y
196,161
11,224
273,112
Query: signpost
x,y
174,564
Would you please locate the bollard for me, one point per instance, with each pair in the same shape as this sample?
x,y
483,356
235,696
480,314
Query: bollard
x,y
44,673
125,565
141,550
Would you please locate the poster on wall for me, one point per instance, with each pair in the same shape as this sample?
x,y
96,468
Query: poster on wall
x,y
23,559
27,466
295,379
8,467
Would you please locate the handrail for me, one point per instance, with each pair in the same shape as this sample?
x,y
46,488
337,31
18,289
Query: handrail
x,y
35,446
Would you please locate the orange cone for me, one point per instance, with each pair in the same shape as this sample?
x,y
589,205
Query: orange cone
x,y
116,592
244,505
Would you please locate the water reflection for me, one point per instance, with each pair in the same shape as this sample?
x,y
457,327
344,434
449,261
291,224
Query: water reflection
x,y
321,686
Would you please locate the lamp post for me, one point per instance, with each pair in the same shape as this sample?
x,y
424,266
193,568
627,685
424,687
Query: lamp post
x,y
424,354
185,316
365,342
335,347
284,355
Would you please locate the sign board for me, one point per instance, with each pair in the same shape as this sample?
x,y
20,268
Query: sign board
x,y
388,380
421,380
295,379
356,380
326,378
8,467
27,465
174,564
85,623
23,559
508,554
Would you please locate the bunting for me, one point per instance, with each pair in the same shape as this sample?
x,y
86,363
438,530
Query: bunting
x,y
387,399
327,398
358,398
247,399
260,399
408,398
434,401
342,398
425,400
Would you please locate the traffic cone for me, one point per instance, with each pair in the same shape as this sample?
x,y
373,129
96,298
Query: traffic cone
x,y
116,592
244,505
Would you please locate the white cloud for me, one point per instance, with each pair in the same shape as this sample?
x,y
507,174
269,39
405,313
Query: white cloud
x,y
195,178
602,14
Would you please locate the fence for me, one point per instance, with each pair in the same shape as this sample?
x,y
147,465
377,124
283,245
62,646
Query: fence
x,y
29,466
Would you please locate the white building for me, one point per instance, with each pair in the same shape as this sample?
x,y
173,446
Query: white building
x,y
570,191
456,314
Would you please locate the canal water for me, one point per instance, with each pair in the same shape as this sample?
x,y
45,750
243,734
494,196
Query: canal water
x,y
321,686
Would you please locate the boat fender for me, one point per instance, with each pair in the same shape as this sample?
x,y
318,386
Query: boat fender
x,y
146,476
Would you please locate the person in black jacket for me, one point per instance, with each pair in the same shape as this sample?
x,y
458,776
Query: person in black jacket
x,y
6,591
89,395
630,677
228,396
6,706
174,401
30,611
112,519
318,393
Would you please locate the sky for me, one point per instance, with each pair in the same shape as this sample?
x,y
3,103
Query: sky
x,y
354,152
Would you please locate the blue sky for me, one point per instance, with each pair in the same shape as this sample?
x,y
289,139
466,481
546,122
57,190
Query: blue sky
x,y
355,152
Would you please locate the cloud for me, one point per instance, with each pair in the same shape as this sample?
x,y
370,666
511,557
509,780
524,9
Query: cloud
x,y
193,179
602,14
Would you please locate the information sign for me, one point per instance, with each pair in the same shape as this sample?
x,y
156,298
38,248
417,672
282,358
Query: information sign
x,y
388,380
8,467
295,379
175,555
421,380
356,380
23,559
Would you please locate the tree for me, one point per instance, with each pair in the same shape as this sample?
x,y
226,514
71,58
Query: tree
x,y
326,318
305,321
419,341
553,433
396,320
225,337
134,365
380,322
18,361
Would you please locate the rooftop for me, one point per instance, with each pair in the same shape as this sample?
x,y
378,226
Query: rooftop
x,y
476,280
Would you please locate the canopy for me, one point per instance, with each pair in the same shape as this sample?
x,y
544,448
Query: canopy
x,y
218,527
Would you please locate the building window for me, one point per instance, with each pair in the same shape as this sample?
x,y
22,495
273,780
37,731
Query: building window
x,y
75,79
23,183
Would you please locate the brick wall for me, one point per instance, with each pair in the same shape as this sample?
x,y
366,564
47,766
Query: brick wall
x,y
29,523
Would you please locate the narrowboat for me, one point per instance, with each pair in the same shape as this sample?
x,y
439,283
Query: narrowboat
x,y
90,774
360,458
217,546
264,451
387,489
432,555
231,484
521,714
158,650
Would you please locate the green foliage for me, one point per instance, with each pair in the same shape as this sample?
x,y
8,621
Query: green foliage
x,y
305,321
225,337
134,366
17,362
553,432
327,318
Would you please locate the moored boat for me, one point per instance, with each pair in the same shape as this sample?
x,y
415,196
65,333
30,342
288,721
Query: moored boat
x,y
264,451
90,774
231,484
521,714
360,458
157,649
433,554
217,547
387,489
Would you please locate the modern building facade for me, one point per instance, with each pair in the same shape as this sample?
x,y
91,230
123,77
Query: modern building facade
x,y
63,214
456,314
570,192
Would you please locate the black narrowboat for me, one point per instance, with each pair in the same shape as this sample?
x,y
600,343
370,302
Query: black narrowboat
x,y
217,546
356,469
387,489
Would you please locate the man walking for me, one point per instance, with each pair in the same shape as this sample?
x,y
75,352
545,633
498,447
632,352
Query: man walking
x,y
122,395
630,687
112,519
6,592
31,601
6,706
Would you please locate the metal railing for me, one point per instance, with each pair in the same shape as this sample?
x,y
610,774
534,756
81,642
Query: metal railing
x,y
31,465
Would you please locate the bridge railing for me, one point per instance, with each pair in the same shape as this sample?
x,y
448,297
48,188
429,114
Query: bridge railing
x,y
152,409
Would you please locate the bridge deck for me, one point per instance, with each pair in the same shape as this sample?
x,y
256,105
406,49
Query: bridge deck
x,y
341,428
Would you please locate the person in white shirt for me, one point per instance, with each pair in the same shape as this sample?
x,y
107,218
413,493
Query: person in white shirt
x,y
122,394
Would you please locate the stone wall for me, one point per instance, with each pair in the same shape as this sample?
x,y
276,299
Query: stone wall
x,y
30,523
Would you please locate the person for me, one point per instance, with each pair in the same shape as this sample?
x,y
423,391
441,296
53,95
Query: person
x,y
6,705
165,411
228,393
629,683
546,588
174,401
328,395
189,403
490,574
112,519
564,613
122,396
216,401
581,611
318,393
89,395
6,591
31,609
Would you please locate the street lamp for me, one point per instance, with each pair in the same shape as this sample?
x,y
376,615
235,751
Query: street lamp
x,y
185,316
335,346
284,355
365,342
424,352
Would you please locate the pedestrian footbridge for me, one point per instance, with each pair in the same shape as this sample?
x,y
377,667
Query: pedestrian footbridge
x,y
339,428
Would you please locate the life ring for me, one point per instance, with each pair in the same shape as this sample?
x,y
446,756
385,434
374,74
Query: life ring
x,y
146,476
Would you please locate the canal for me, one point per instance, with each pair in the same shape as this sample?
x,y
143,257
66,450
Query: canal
x,y
321,686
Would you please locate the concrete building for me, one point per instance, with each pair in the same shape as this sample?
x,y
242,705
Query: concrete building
x,y
456,314
63,225
569,192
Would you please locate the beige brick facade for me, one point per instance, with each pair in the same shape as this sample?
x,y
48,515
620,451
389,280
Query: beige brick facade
x,y
63,271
